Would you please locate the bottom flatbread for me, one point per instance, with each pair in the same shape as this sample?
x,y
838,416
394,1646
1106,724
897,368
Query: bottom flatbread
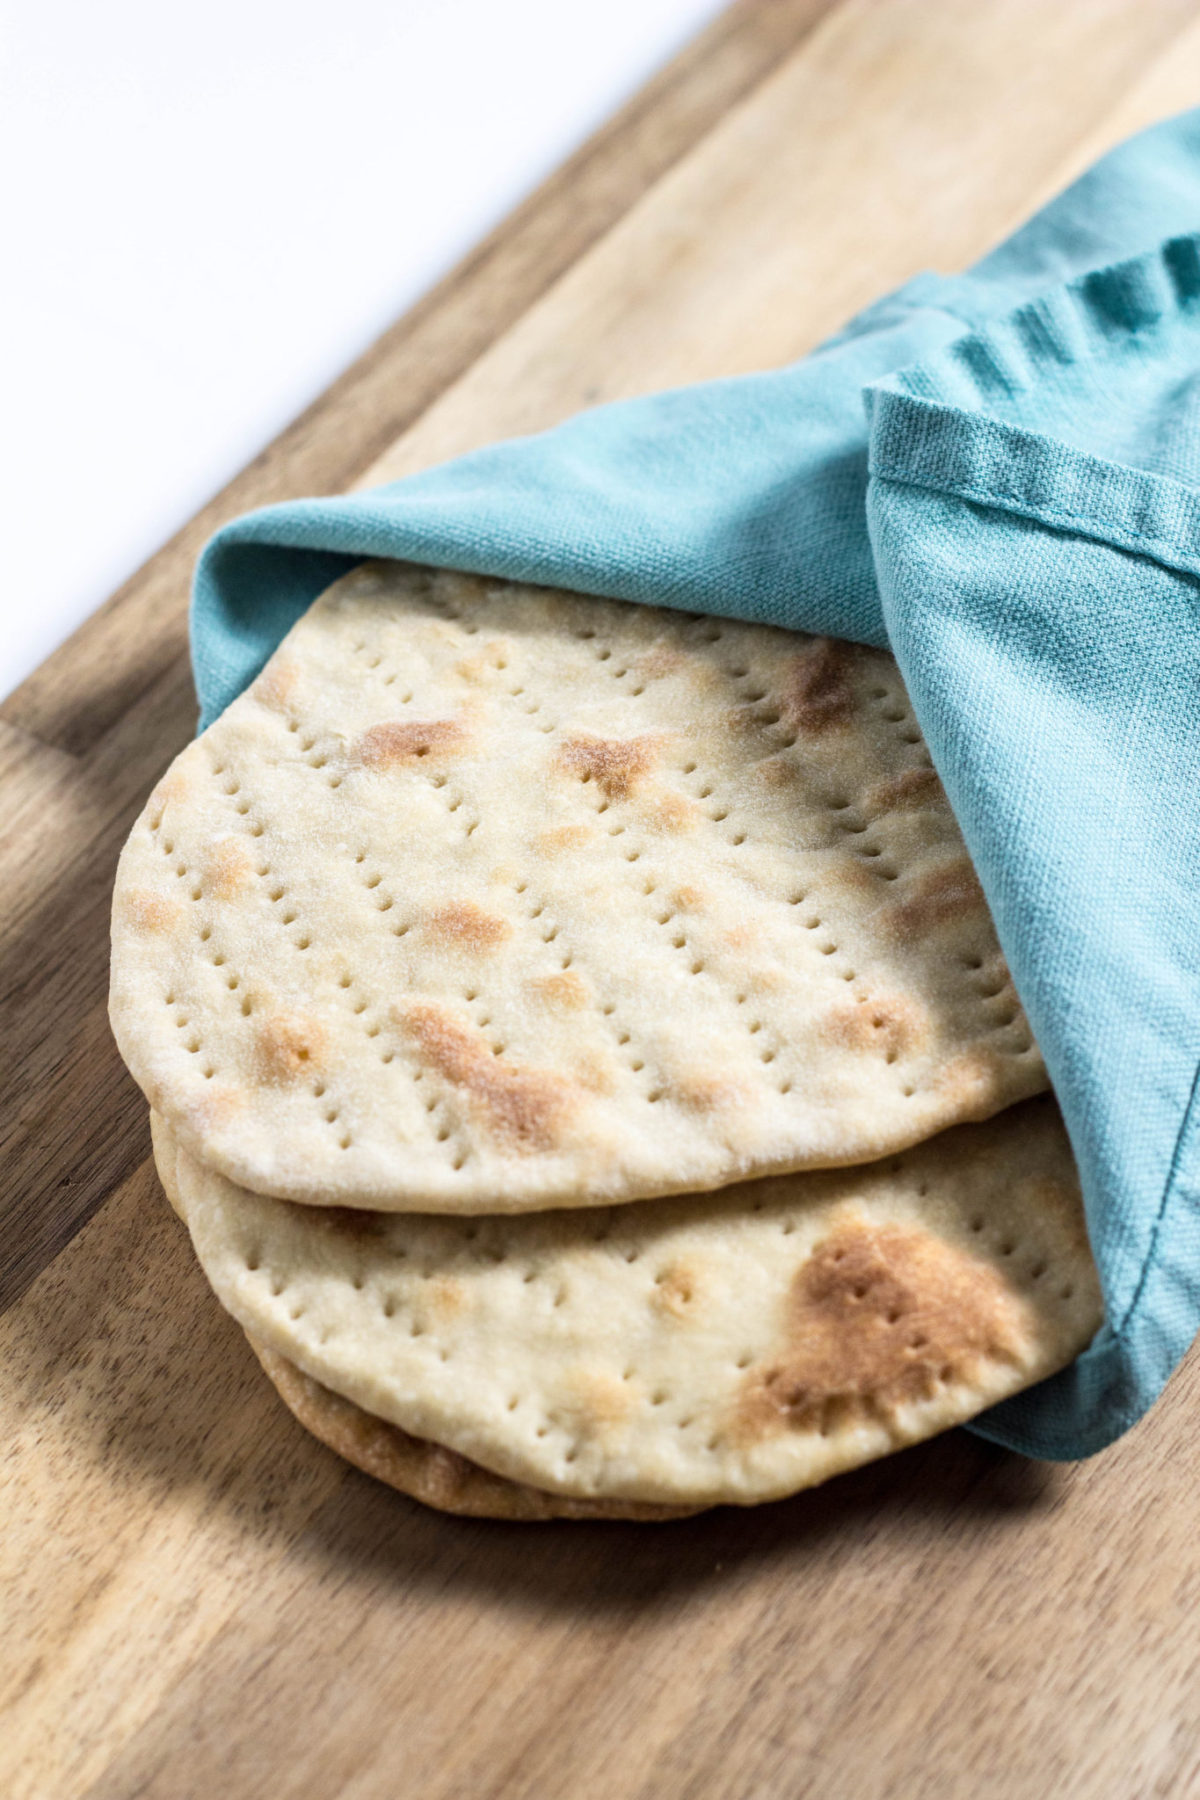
x,y
686,1352
423,1470
429,1472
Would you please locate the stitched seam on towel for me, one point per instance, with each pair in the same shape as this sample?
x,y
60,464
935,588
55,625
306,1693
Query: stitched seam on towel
x,y
1152,1252
1058,518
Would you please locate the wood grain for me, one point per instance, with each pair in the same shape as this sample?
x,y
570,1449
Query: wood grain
x,y
200,1600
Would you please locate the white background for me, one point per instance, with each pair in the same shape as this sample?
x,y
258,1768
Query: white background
x,y
209,210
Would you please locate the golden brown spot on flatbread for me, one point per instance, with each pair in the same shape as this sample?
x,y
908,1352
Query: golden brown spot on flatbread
x,y
675,1289
564,989
398,741
277,683
467,926
660,660
972,1082
563,837
910,791
218,1105
774,771
673,812
879,1317
886,1022
689,899
743,719
174,786
738,937
818,692
287,1046
852,874
948,893
445,1296
148,911
1047,1194
616,764
524,1105
761,980
229,868
707,1093
597,1072
597,1401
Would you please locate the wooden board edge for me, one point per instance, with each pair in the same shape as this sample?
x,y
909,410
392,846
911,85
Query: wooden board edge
x,y
73,698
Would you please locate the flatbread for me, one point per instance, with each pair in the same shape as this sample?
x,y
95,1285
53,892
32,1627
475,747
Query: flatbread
x,y
425,1471
488,897
429,1472
688,1351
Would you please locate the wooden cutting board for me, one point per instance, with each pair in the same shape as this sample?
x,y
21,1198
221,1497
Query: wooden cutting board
x,y
197,1599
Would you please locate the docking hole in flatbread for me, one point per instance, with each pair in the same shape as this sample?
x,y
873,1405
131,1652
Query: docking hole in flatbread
x,y
729,1347
490,898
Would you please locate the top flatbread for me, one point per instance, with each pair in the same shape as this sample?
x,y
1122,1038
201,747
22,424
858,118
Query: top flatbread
x,y
487,897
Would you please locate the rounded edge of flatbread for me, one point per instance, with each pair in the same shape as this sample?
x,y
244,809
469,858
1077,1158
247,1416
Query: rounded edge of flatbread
x,y
429,1472
423,1470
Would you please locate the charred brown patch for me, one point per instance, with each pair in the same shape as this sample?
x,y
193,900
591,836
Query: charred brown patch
x,y
287,1046
944,895
818,693
467,927
526,1106
913,790
396,742
229,868
617,765
878,1318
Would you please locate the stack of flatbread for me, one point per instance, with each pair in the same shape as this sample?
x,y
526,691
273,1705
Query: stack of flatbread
x,y
581,1054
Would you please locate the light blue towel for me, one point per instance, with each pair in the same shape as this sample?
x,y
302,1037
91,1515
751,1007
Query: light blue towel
x,y
1032,559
